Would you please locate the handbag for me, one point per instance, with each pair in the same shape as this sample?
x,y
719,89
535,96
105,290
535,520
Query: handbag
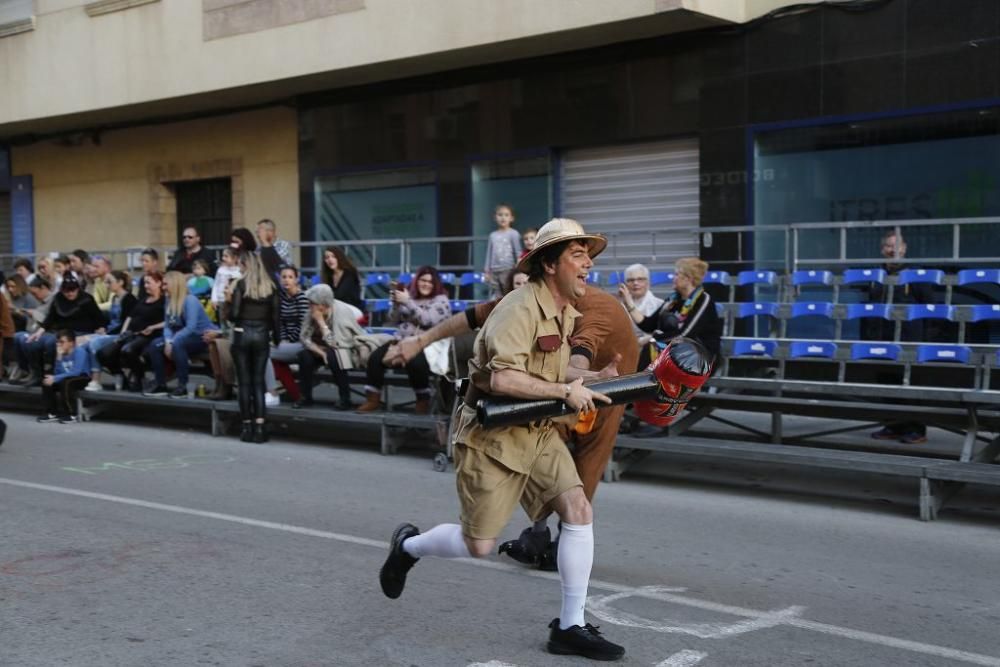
x,y
438,356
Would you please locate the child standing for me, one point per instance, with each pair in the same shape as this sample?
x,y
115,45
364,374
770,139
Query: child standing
x,y
503,250
528,240
229,272
71,374
200,283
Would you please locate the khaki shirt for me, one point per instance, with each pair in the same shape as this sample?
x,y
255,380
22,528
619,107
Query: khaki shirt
x,y
510,340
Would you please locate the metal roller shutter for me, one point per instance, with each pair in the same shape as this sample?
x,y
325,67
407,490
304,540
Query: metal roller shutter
x,y
640,195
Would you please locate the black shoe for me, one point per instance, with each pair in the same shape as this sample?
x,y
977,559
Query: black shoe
x,y
549,561
246,432
585,641
180,392
158,390
47,419
392,576
528,547
3,430
68,419
260,432
302,403
31,381
135,385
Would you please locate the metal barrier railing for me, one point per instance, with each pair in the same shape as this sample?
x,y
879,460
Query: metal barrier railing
x,y
777,247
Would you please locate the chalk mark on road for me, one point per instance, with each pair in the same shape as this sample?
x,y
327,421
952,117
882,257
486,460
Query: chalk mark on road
x,y
813,626
683,659
601,607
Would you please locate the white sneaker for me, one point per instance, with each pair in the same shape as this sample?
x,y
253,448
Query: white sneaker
x,y
93,386
270,400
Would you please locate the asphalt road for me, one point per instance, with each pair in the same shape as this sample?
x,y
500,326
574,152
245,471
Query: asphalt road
x,y
130,545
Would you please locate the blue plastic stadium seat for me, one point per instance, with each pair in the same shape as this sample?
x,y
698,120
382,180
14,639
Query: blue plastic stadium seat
x,y
979,276
812,348
983,313
594,278
315,280
929,311
818,308
616,278
754,347
857,310
911,276
720,310
753,309
378,305
405,278
716,278
854,276
756,278
372,279
953,353
889,351
812,277
457,305
472,279
447,279
661,277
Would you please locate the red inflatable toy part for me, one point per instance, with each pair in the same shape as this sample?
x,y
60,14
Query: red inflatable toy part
x,y
681,370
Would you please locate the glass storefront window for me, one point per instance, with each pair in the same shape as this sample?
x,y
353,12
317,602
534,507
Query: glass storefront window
x,y
524,183
391,204
930,167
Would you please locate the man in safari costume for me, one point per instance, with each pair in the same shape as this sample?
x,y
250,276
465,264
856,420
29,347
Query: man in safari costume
x,y
522,351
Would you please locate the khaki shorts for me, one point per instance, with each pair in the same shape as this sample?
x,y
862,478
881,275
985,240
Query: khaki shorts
x,y
488,491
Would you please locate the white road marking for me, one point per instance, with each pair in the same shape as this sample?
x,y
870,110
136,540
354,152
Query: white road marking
x,y
683,659
600,606
491,663
673,598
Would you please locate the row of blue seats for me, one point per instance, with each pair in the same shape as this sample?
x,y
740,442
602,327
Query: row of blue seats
x,y
853,311
756,347
743,278
383,305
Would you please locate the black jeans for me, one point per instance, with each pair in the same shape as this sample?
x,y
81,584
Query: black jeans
x,y
251,347
127,354
60,398
418,370
308,362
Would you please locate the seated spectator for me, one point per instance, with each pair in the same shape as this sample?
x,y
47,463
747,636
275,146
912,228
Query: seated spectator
x,y
150,264
342,276
190,251
274,252
143,326
97,272
71,309
184,327
21,301
78,261
69,375
689,312
43,269
6,328
637,284
200,283
328,334
120,309
413,310
294,310
39,290
517,279
60,267
23,268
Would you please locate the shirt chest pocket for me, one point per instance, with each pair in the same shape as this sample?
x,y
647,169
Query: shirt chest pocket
x,y
546,353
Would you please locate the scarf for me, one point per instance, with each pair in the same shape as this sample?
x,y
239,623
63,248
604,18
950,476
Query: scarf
x,y
687,305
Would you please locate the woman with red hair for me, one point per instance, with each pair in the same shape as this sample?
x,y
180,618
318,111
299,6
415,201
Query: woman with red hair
x,y
414,310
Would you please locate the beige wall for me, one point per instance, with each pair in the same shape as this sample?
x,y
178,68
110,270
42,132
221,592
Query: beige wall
x,y
73,63
117,194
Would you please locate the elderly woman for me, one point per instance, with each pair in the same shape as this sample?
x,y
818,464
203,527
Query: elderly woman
x,y
328,334
414,310
637,284
689,311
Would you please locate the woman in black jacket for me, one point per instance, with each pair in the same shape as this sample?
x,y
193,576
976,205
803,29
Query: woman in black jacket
x,y
341,275
688,312
255,312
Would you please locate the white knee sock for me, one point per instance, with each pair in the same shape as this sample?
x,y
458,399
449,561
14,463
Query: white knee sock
x,y
443,541
576,557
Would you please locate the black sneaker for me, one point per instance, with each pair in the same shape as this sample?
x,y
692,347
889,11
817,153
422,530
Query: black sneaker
x,y
47,419
180,392
392,576
887,433
68,419
158,390
528,547
585,641
302,403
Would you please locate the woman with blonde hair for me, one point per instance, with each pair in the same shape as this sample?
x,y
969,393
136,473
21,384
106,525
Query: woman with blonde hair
x,y
689,311
255,312
185,323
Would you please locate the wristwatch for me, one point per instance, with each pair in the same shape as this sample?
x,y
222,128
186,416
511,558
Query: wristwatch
x,y
568,389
